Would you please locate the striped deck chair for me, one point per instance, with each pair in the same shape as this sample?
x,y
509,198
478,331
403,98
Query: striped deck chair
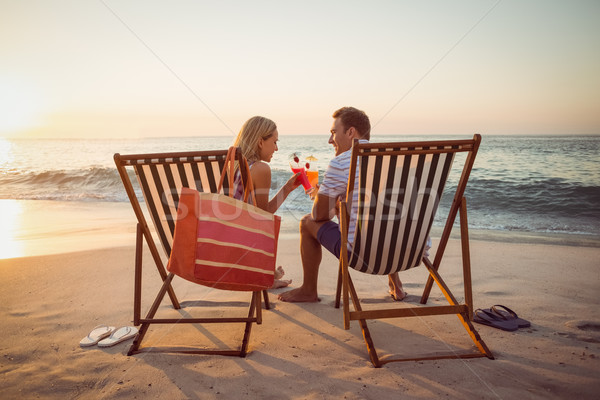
x,y
160,177
399,189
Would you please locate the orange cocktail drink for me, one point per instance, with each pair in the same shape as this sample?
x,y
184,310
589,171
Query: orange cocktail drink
x,y
313,177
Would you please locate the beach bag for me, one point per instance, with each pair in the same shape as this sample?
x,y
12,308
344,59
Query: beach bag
x,y
222,242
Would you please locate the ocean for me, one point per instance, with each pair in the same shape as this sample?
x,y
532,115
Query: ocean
x,y
539,184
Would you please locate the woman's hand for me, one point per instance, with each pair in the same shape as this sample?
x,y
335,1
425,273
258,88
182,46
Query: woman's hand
x,y
293,182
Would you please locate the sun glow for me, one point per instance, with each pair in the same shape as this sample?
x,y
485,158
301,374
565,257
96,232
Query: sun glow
x,y
21,108
10,214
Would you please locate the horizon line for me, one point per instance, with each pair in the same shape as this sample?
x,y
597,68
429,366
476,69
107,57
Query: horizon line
x,y
16,137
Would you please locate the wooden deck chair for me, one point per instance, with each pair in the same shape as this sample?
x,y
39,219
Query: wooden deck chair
x,y
399,189
160,178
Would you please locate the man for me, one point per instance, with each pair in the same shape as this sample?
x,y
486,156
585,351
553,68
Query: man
x,y
317,229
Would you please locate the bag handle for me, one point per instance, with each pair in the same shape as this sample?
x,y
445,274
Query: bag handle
x,y
224,172
249,184
244,172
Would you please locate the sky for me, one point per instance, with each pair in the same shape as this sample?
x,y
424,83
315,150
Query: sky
x,y
108,68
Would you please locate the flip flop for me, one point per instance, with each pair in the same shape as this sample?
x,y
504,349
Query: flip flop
x,y
509,315
486,317
97,334
119,335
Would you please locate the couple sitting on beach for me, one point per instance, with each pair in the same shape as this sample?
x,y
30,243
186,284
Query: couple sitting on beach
x,y
258,141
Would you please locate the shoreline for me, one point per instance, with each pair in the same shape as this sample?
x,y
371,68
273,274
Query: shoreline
x,y
563,239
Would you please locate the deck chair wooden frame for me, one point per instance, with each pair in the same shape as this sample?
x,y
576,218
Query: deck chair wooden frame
x,y
411,176
160,177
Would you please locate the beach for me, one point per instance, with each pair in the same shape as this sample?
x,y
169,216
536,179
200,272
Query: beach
x,y
50,301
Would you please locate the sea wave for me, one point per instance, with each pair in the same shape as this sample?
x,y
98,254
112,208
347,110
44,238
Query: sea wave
x,y
89,184
542,197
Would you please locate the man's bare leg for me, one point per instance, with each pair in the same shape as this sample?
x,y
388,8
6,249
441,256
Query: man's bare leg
x,y
396,289
311,253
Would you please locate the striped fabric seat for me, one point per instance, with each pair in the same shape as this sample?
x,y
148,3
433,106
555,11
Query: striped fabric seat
x,y
398,197
162,178
400,186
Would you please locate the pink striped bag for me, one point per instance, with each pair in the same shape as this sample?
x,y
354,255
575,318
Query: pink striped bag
x,y
222,242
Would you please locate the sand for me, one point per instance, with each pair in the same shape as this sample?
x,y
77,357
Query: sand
x,y
301,351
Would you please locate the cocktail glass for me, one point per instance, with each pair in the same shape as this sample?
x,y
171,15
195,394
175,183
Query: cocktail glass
x,y
313,177
303,178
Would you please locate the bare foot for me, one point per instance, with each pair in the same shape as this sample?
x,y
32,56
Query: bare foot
x,y
281,283
398,295
396,290
279,273
299,295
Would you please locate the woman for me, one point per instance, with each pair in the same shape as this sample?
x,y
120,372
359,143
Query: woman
x,y
258,141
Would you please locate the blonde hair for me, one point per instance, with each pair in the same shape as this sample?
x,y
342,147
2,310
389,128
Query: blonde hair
x,y
252,131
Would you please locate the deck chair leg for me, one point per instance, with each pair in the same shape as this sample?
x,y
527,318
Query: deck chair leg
x,y
479,343
427,290
463,315
142,331
137,285
137,341
364,328
256,297
247,331
466,257
266,297
159,265
338,291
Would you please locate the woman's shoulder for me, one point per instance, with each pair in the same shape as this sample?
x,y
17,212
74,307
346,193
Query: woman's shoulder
x,y
261,173
260,166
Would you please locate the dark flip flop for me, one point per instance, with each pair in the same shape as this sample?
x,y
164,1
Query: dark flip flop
x,y
509,315
486,317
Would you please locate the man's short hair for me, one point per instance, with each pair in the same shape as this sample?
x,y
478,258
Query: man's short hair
x,y
353,117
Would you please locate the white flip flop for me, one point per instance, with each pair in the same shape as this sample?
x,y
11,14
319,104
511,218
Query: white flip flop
x,y
97,334
119,335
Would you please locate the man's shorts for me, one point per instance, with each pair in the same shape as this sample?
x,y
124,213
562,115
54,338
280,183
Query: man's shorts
x,y
330,237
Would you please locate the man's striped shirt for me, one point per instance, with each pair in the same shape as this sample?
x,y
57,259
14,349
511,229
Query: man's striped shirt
x,y
335,183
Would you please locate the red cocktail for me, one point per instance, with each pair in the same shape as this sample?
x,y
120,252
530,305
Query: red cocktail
x,y
296,167
302,177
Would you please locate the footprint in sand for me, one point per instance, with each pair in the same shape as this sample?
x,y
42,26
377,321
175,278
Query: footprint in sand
x,y
589,331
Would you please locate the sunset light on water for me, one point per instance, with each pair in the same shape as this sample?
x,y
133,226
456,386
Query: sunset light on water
x,y
11,215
